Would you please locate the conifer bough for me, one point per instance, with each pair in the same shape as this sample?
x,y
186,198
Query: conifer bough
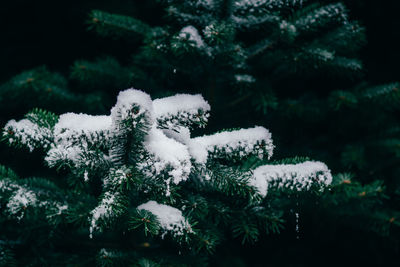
x,y
148,174
260,45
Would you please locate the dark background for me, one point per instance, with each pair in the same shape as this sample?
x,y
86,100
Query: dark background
x,y
54,33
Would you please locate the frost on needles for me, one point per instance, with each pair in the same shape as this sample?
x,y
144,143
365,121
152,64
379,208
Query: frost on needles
x,y
143,163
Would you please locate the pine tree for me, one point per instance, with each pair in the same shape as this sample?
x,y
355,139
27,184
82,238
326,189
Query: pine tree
x,y
235,51
285,58
292,61
42,88
135,182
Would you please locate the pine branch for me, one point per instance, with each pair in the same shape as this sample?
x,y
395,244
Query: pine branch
x,y
117,26
104,72
387,95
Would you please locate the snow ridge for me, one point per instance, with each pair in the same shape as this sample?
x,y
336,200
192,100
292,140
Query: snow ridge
x,y
132,103
181,109
168,154
241,142
170,218
28,133
292,176
104,210
192,34
172,105
22,198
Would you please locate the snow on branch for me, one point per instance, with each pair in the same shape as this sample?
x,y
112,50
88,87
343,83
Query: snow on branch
x,y
180,134
27,133
181,110
184,17
117,177
133,106
236,144
291,176
150,140
109,208
244,78
251,6
254,21
78,139
209,4
191,34
79,158
82,122
77,128
168,156
170,218
321,17
21,198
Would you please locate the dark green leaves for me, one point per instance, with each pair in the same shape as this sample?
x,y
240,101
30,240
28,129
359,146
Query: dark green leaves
x,y
42,118
7,173
7,257
245,230
117,26
146,220
206,241
104,72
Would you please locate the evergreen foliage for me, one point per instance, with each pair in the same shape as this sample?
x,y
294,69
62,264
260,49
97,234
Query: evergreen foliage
x,y
294,62
293,65
138,182
45,89
241,50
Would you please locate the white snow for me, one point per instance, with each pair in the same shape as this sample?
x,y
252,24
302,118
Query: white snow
x,y
58,210
181,110
81,122
206,3
28,133
116,177
331,11
104,253
20,200
245,78
243,141
7,185
86,176
292,176
126,100
210,31
74,135
180,134
61,153
172,105
78,157
322,54
81,129
252,3
192,34
61,208
103,211
170,218
168,153
261,5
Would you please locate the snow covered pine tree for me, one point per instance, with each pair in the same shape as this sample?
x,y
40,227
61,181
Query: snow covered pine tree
x,y
137,181
258,52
